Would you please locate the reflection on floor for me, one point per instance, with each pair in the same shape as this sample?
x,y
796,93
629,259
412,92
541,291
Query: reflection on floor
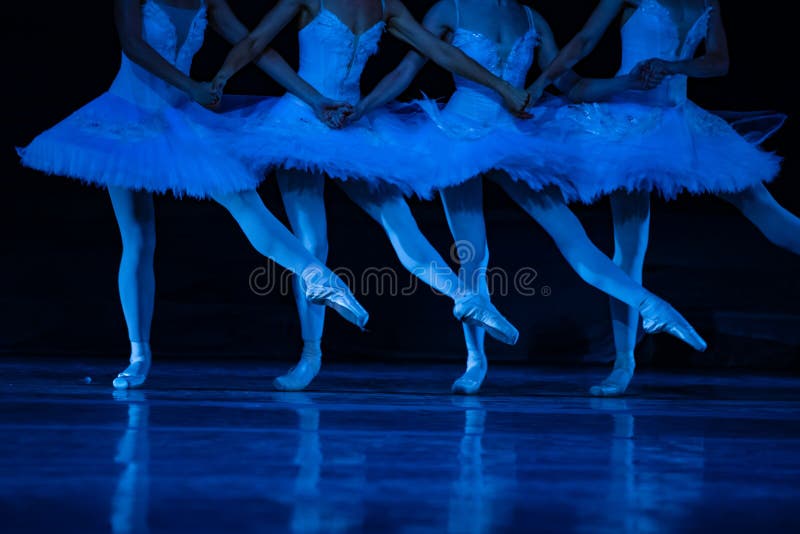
x,y
380,448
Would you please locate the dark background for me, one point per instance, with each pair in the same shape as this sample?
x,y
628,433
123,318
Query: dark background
x,y
60,246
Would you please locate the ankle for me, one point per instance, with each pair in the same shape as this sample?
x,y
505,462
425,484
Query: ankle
x,y
475,358
625,360
312,349
140,351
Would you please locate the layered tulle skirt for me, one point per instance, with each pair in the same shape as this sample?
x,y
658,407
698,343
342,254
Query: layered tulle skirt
x,y
666,149
285,133
473,135
111,142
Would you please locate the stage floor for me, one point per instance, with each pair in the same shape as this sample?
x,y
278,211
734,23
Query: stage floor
x,y
384,448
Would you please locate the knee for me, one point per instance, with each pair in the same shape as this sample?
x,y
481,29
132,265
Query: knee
x,y
139,240
317,246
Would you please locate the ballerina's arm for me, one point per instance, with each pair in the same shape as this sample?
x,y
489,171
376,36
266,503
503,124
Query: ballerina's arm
x,y
253,45
714,62
579,47
225,22
128,18
577,88
402,25
397,81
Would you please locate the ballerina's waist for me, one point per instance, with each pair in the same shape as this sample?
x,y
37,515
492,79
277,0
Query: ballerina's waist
x,y
137,85
478,103
671,93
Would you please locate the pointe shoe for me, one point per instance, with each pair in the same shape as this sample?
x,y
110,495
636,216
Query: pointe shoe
x,y
479,311
471,381
615,385
134,376
333,294
658,316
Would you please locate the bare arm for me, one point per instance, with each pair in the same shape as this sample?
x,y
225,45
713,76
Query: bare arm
x,y
128,18
403,26
713,63
397,81
580,46
253,45
225,22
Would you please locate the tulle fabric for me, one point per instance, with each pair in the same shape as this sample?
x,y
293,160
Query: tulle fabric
x,y
144,134
112,142
456,144
669,150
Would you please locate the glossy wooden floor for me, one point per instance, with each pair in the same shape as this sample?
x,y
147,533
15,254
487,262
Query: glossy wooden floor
x,y
385,448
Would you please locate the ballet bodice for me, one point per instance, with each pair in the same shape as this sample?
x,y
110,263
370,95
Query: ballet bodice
x,y
651,32
176,34
332,57
476,100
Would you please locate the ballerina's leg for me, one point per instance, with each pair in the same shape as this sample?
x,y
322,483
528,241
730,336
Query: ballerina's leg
x,y
631,215
550,210
303,198
273,240
777,223
135,216
391,211
463,206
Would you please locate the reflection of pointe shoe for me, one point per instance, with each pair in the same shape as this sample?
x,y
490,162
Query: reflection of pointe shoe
x,y
479,311
658,316
135,375
334,294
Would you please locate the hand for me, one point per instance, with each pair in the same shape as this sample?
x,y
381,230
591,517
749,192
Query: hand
x,y
656,70
536,90
354,116
203,94
218,84
517,101
332,113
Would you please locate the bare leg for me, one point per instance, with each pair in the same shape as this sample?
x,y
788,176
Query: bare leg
x,y
137,285
272,239
779,225
303,197
550,210
463,206
421,259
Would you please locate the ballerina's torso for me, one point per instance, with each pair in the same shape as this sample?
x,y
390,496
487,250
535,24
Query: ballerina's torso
x,y
332,56
654,30
510,62
176,34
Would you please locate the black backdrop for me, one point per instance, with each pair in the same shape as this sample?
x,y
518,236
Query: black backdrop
x,y
60,245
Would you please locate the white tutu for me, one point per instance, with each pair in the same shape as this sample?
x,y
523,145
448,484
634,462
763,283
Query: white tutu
x,y
144,134
285,132
671,150
112,142
466,139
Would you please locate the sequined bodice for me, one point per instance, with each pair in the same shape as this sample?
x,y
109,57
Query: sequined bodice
x,y
332,57
651,32
477,101
160,29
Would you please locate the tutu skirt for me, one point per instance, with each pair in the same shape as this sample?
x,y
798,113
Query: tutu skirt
x,y
671,150
112,142
285,132
473,135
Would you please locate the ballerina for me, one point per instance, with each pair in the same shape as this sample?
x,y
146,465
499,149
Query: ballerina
x,y
336,39
534,161
661,141
150,134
